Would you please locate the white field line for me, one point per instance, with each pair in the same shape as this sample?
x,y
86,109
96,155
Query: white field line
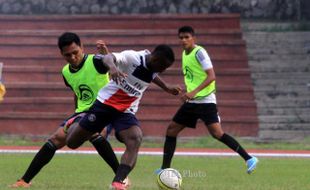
x,y
159,153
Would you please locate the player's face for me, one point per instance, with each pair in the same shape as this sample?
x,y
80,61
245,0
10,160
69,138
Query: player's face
x,y
73,54
187,40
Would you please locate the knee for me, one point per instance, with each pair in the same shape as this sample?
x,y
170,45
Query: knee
x,y
138,139
134,141
72,145
58,141
216,130
217,134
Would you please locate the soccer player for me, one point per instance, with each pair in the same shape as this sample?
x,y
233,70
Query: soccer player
x,y
117,102
2,87
199,101
85,74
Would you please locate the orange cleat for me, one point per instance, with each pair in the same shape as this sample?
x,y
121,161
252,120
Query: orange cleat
x,y
20,183
118,186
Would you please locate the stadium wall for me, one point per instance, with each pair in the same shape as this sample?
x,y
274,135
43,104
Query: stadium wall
x,y
249,9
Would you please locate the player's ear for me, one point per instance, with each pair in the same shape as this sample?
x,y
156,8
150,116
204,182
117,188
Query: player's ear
x,y
193,37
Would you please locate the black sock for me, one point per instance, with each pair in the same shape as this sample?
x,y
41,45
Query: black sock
x,y
122,172
169,148
44,155
105,150
235,146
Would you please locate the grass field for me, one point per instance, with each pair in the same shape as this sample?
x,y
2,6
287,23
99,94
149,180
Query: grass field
x,y
71,172
201,142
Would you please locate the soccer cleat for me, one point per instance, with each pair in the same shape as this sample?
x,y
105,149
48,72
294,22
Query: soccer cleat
x,y
20,183
118,186
251,164
158,171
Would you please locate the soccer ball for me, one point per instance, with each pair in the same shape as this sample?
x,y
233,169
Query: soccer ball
x,y
169,179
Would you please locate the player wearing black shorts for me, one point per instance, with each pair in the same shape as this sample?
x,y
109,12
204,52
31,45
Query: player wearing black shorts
x,y
199,101
85,74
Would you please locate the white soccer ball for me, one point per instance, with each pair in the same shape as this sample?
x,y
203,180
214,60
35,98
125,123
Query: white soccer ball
x,y
169,179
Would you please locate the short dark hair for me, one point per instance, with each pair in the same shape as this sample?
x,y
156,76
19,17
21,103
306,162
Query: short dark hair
x,y
186,29
68,38
165,51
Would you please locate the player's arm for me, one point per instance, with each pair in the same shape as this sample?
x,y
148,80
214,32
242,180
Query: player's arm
x,y
98,58
204,84
101,67
171,89
102,47
115,73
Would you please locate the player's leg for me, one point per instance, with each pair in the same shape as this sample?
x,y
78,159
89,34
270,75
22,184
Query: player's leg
x,y
105,150
77,135
170,143
98,116
44,155
132,138
108,130
128,131
183,118
212,121
216,131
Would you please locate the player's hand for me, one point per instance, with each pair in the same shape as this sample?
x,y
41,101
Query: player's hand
x,y
101,47
187,96
117,75
174,90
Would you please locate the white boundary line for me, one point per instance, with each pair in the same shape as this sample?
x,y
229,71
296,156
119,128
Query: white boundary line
x,y
159,153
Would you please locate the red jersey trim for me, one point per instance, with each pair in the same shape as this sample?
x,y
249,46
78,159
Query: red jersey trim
x,y
120,100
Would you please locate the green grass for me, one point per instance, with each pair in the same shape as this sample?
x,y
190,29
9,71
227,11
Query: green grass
x,y
201,142
71,172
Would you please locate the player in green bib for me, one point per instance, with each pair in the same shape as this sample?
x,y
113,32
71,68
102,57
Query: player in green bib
x,y
2,87
85,74
199,101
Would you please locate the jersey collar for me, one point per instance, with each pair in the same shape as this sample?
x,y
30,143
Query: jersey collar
x,y
80,65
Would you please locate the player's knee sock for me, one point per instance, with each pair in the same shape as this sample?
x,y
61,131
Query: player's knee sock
x,y
169,148
105,150
235,146
122,172
44,155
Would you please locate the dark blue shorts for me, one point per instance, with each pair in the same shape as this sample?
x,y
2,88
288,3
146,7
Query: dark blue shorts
x,y
189,113
100,115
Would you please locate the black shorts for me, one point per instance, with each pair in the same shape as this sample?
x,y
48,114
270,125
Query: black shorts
x,y
100,115
189,113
